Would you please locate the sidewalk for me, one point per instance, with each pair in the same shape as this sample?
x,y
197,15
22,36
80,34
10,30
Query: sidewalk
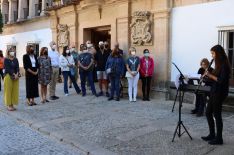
x,y
102,127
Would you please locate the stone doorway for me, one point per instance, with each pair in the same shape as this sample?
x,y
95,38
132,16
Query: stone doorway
x,y
96,34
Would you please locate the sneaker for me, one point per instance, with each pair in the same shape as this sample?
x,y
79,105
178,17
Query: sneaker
x,y
107,94
134,100
100,93
130,100
208,138
216,142
66,94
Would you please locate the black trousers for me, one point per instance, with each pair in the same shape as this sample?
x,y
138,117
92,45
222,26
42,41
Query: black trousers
x,y
200,103
214,110
146,81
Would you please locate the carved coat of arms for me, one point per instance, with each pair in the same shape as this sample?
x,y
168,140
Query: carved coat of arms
x,y
141,28
63,35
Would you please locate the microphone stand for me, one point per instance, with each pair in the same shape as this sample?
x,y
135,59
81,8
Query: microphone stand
x,y
180,123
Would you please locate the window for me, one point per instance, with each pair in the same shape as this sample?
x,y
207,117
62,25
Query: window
x,y
226,39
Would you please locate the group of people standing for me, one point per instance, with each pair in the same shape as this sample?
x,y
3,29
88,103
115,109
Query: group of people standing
x,y
109,66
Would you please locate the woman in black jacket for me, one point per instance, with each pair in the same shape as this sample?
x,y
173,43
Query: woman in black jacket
x,y
31,75
219,91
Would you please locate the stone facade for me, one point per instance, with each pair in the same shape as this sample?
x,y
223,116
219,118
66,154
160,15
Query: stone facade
x,y
126,20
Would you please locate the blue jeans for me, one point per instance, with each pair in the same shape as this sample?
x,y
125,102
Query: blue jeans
x,y
89,75
65,77
115,85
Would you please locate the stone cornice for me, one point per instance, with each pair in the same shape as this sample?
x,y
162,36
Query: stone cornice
x,y
164,13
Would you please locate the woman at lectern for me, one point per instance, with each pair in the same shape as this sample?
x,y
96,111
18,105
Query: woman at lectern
x,y
219,91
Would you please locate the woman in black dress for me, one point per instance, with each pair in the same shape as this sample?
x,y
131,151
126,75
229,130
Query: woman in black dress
x,y
31,75
219,91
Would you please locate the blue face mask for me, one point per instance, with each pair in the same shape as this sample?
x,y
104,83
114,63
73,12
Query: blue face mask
x,y
146,54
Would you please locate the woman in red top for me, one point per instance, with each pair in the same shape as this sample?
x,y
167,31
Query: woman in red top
x,y
146,72
1,67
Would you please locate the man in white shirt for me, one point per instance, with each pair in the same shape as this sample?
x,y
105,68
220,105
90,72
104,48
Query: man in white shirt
x,y
54,56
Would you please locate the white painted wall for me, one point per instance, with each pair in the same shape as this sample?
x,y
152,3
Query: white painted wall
x,y
44,35
194,32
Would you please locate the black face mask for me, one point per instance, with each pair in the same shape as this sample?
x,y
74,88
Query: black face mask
x,y
31,52
46,52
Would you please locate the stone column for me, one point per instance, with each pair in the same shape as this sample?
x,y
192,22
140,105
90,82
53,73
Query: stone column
x,y
21,5
32,8
12,8
43,7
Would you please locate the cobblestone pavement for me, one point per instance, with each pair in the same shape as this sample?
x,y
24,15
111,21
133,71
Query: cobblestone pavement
x,y
18,139
100,127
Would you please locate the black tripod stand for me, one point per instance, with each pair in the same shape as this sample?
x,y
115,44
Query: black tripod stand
x,y
180,92
172,110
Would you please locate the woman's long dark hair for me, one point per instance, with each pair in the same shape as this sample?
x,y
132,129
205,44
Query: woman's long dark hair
x,y
64,51
220,58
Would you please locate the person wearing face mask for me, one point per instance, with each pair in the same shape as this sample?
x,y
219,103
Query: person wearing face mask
x,y
75,56
44,74
31,75
54,56
146,73
107,47
86,65
11,80
132,74
67,64
101,58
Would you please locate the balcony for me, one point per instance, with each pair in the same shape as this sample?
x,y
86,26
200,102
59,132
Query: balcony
x,y
57,4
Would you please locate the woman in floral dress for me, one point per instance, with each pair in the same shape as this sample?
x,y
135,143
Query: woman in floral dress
x,y
45,70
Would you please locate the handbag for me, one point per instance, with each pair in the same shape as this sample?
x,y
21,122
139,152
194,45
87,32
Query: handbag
x,y
72,69
128,75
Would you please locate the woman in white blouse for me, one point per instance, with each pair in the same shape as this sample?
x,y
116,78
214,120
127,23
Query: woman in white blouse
x,y
67,65
31,75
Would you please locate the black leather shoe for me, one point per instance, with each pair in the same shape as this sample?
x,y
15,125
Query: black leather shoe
x,y
117,99
199,114
56,97
111,98
194,111
208,138
216,142
52,98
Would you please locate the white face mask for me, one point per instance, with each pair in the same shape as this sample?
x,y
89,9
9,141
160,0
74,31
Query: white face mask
x,y
12,54
146,54
133,53
73,49
67,51
54,47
